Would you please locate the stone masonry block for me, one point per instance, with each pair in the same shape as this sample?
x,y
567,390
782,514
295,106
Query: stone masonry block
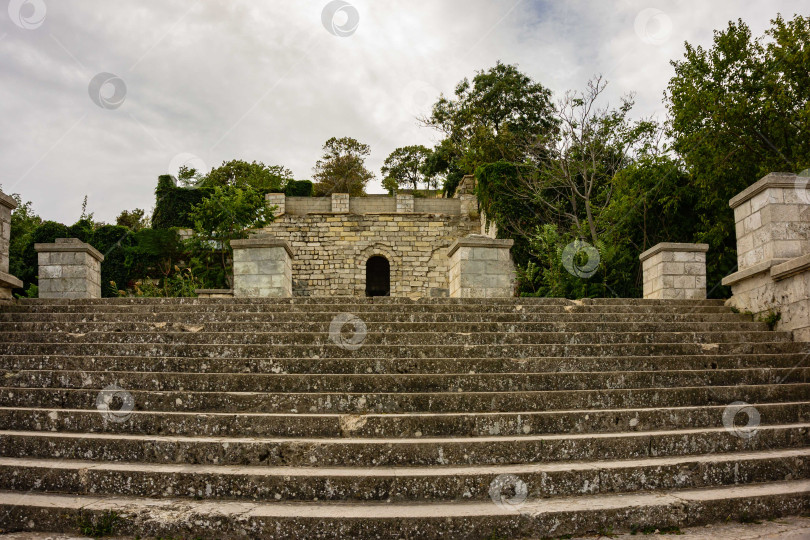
x,y
262,267
69,268
674,270
477,270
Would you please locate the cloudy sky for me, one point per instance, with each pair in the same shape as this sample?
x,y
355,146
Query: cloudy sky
x,y
98,98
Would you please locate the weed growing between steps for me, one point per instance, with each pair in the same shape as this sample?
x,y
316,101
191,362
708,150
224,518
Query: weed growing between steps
x,y
97,526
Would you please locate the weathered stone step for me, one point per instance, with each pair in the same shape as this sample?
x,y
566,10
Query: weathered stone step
x,y
373,452
503,382
457,520
361,403
361,300
198,335
399,484
159,316
364,308
400,365
332,350
536,518
477,424
13,330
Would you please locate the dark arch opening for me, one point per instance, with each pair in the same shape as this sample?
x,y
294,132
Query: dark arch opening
x,y
378,276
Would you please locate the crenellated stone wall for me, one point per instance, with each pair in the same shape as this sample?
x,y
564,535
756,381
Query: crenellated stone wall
x,y
331,247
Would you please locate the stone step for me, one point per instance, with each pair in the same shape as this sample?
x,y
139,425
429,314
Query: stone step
x,y
13,330
401,316
331,350
477,424
360,300
217,307
401,365
363,403
487,382
399,484
381,452
535,518
198,335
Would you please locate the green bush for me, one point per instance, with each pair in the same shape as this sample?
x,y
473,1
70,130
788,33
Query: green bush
x,y
173,204
298,188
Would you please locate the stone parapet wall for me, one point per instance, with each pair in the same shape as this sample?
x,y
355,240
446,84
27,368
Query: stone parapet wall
x,y
69,268
371,204
675,270
331,250
481,267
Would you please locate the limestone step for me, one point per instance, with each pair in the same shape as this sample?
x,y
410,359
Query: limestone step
x,y
458,519
630,308
199,335
414,451
364,403
14,330
401,365
313,317
433,350
398,484
486,382
391,425
377,300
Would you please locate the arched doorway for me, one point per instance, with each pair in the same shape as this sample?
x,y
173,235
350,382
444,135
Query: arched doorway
x,y
378,276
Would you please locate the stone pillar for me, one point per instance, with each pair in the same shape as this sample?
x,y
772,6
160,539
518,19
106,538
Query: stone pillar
x,y
69,268
7,281
279,200
404,203
340,203
772,220
674,270
469,206
481,267
262,267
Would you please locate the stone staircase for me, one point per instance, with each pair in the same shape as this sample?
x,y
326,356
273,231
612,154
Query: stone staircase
x,y
387,418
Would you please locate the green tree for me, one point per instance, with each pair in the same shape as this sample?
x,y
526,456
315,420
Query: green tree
x,y
494,117
255,175
133,220
406,168
227,214
342,167
739,110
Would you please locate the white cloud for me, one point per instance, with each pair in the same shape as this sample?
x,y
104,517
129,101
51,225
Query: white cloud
x,y
266,81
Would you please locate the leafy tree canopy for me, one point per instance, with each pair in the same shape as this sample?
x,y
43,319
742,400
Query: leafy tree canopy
x,y
255,175
491,118
405,168
342,167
